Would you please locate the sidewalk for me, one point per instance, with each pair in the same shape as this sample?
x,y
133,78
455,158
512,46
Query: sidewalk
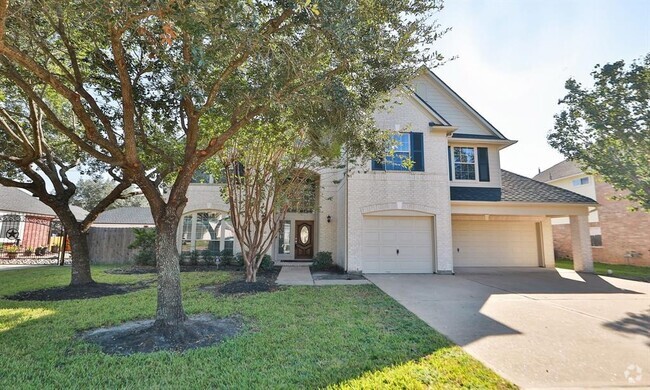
x,y
295,276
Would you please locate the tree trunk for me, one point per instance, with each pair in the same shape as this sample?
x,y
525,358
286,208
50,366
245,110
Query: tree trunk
x,y
169,313
80,257
251,271
78,243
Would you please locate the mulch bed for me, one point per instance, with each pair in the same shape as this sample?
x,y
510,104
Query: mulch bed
x,y
265,283
95,290
144,337
241,287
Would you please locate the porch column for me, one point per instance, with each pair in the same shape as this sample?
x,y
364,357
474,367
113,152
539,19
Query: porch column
x,y
581,243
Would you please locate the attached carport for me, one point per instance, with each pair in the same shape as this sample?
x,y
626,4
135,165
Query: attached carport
x,y
510,226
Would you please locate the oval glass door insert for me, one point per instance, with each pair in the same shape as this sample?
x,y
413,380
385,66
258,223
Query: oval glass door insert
x,y
304,234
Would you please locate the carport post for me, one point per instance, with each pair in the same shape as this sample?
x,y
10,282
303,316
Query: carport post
x,y
581,243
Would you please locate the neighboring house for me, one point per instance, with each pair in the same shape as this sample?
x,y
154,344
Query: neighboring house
x,y
456,207
34,222
125,217
618,235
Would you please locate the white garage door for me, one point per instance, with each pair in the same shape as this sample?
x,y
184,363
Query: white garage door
x,y
398,245
494,244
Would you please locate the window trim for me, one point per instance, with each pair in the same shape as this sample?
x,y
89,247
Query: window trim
x,y
453,165
377,166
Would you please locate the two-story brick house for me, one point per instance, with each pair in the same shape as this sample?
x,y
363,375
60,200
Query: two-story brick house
x,y
455,207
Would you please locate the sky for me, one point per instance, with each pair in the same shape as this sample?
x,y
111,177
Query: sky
x,y
514,57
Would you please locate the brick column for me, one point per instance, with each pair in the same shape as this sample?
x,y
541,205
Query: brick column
x,y
581,243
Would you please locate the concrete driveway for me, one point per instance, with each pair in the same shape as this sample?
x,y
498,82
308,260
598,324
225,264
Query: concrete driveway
x,y
539,328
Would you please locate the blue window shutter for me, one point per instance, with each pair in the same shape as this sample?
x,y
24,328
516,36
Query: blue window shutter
x,y
378,166
417,151
449,159
483,165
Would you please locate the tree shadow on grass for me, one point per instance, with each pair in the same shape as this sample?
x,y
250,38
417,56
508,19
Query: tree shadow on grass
x,y
64,293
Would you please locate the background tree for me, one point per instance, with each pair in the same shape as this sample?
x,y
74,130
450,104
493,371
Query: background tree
x,y
606,128
90,192
159,87
267,172
37,159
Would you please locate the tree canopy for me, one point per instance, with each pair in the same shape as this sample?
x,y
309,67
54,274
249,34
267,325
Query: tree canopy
x,y
159,87
606,128
90,191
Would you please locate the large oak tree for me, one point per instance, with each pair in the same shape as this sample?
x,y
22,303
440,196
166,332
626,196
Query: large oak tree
x,y
159,87
37,159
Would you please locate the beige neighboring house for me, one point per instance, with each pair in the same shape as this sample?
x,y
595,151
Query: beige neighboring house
x,y
618,235
455,208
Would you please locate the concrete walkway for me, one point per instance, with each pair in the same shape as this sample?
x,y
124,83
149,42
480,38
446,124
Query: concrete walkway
x,y
538,328
295,276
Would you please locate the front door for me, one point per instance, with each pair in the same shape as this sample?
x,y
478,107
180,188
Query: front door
x,y
304,240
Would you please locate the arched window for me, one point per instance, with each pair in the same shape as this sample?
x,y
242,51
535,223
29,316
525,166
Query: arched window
x,y
209,232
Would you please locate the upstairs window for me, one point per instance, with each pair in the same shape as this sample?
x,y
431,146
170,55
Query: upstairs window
x,y
406,155
464,163
580,182
468,163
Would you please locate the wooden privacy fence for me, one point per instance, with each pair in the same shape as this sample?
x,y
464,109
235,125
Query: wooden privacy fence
x,y
111,245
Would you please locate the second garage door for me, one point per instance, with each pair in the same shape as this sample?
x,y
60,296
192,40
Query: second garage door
x,y
495,243
398,245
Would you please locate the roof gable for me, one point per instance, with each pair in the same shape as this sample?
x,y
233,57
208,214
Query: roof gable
x,y
456,111
560,170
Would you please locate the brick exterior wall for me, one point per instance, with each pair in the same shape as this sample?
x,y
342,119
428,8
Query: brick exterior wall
x,y
622,231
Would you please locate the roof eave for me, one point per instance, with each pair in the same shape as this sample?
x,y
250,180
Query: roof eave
x,y
516,203
503,142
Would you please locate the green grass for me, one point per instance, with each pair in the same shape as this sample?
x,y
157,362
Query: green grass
x,y
299,337
618,270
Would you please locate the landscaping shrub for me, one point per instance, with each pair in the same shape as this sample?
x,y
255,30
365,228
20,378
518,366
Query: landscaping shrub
x,y
145,242
322,261
267,263
208,256
238,260
227,257
194,257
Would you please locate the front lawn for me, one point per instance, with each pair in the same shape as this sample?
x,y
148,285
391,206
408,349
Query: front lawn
x,y
298,337
618,270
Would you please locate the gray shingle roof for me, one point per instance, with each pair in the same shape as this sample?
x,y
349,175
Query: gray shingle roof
x,y
563,169
13,199
16,200
126,216
516,188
